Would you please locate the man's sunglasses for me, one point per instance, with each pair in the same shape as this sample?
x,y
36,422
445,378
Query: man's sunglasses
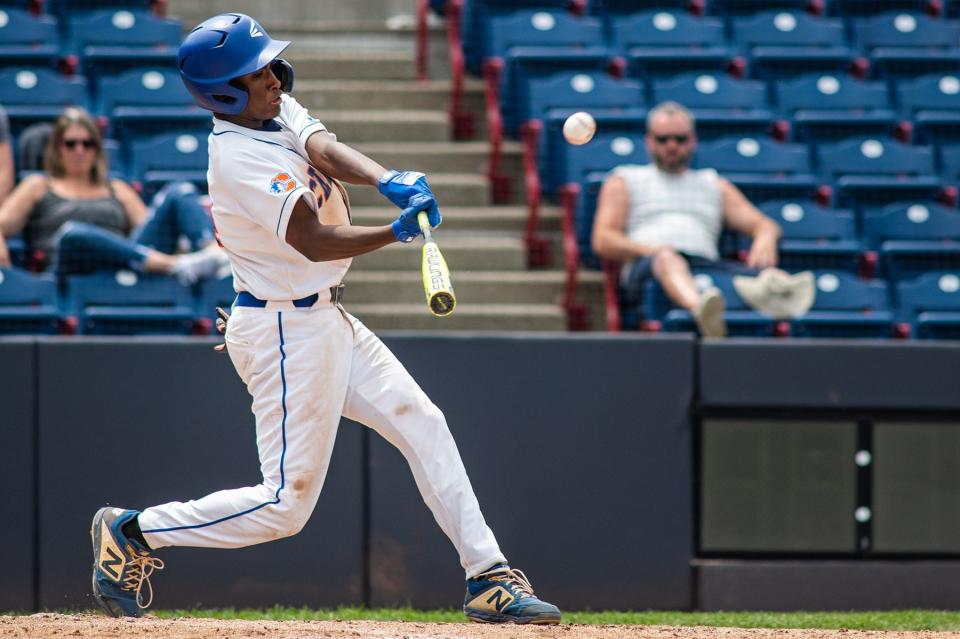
x,y
679,139
87,144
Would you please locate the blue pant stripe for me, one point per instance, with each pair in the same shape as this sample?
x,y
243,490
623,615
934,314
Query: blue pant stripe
x,y
283,452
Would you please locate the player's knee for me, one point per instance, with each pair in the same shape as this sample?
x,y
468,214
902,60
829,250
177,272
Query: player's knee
x,y
291,519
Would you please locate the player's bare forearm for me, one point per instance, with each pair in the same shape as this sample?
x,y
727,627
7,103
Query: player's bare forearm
x,y
341,161
324,242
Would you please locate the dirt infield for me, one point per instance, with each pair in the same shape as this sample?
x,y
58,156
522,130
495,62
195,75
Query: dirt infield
x,y
55,626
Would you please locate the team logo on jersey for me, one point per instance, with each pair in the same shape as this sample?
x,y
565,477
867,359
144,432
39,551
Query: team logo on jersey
x,y
282,183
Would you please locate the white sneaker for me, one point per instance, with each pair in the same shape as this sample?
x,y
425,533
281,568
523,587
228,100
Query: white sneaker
x,y
709,317
209,261
777,294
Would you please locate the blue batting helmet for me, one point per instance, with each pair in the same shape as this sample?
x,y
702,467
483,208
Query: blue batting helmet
x,y
223,48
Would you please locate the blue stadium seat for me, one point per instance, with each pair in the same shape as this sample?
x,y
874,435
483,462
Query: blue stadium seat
x,y
116,165
746,7
854,8
847,307
908,44
914,237
785,43
721,105
36,95
28,303
170,157
28,40
476,23
932,102
877,171
825,108
114,40
741,320
615,104
950,162
613,8
601,154
125,303
69,8
931,303
17,249
658,43
588,165
144,102
540,43
814,237
214,293
763,169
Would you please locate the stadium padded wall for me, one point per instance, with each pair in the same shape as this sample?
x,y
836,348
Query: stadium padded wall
x,y
17,468
589,454
829,475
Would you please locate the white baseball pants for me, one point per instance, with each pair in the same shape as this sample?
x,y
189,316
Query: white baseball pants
x,y
305,368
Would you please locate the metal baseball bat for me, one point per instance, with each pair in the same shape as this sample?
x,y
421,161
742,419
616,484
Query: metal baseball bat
x,y
441,299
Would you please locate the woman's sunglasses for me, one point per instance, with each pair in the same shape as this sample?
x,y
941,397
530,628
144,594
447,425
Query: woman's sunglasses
x,y
87,144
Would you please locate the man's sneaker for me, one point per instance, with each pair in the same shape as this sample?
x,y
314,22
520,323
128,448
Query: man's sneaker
x,y
504,595
121,566
709,315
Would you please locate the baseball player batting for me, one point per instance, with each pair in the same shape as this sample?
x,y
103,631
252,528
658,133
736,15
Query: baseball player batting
x,y
284,220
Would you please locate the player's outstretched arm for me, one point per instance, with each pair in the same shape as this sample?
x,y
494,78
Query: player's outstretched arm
x,y
323,242
349,165
342,162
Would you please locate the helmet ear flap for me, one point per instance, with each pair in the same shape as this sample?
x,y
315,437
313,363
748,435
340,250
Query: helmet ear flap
x,y
284,72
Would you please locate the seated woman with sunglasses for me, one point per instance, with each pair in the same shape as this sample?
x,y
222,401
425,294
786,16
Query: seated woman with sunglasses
x,y
80,220
664,219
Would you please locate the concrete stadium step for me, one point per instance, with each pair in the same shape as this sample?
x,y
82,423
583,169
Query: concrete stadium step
x,y
355,126
435,157
383,94
466,218
352,65
466,317
465,253
472,287
453,189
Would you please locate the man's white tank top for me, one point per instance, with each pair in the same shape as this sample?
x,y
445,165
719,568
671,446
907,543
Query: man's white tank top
x,y
682,210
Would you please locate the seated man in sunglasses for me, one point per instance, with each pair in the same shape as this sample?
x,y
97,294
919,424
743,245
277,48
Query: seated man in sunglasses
x,y
664,219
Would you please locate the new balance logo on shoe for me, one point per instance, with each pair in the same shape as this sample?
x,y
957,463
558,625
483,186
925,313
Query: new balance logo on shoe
x,y
500,599
112,560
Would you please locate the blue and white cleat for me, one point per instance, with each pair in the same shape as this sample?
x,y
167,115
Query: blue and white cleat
x,y
121,566
504,595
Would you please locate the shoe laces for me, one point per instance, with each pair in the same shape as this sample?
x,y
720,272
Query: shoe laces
x,y
515,578
137,577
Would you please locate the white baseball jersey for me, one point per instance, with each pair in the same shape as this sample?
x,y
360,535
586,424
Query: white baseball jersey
x,y
256,177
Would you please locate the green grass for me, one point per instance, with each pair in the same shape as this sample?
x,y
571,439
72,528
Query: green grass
x,y
895,620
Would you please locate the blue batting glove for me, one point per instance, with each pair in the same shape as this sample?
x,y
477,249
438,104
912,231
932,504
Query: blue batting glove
x,y
406,227
400,186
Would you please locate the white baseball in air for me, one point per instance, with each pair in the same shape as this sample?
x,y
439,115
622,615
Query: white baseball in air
x,y
579,128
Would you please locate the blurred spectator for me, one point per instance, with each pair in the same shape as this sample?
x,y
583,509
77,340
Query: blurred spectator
x,y
81,220
6,157
664,219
